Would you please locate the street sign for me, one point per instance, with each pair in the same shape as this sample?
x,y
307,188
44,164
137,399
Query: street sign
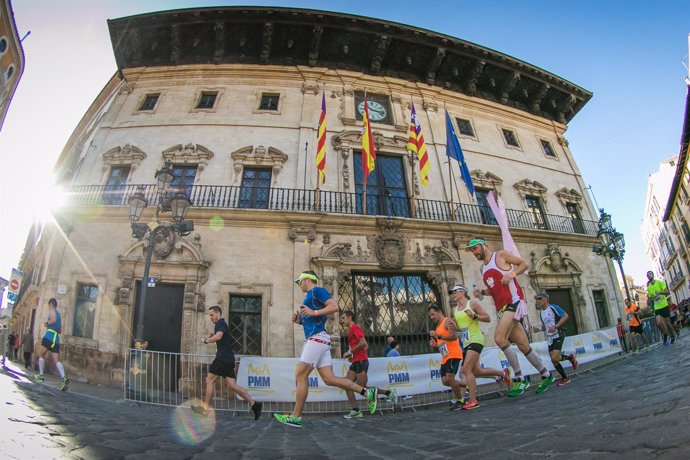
x,y
15,284
11,296
152,281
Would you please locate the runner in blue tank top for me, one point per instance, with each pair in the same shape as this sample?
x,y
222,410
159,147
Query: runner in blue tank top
x,y
51,342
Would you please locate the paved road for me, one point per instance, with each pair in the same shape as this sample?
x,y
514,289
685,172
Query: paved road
x,y
635,407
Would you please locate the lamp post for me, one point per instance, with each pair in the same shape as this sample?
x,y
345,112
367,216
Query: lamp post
x,y
178,204
613,244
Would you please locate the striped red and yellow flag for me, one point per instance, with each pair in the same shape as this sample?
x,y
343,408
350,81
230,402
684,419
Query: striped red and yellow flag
x,y
417,145
368,148
321,142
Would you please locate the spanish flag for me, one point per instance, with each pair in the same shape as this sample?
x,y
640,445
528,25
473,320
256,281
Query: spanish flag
x,y
417,145
321,142
368,149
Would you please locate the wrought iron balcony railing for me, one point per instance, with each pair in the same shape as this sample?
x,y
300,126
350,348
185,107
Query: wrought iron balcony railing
x,y
281,199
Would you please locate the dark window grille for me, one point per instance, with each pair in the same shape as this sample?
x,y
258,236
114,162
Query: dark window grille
x,y
183,180
269,102
207,100
510,137
85,311
485,212
386,187
149,102
548,148
244,321
464,127
390,305
575,217
256,188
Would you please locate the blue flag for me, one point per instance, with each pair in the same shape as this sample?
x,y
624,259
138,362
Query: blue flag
x,y
454,151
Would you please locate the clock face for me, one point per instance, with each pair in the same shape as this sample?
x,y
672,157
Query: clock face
x,y
377,111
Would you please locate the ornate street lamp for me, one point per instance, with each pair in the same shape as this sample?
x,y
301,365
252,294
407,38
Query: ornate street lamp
x,y
613,244
179,205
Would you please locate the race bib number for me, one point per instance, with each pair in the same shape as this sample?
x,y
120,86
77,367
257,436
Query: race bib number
x,y
443,348
630,316
550,340
464,335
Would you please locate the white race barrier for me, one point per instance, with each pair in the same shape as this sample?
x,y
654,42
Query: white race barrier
x,y
272,379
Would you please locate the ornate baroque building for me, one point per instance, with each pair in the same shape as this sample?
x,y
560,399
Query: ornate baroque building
x,y
232,97
11,57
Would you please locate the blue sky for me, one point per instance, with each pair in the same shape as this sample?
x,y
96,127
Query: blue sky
x,y
629,53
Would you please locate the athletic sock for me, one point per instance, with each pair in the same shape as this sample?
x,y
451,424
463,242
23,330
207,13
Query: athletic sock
x,y
512,358
41,365
384,392
535,361
60,369
364,391
560,370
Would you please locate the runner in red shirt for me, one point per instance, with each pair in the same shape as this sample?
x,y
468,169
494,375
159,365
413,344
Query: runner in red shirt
x,y
357,355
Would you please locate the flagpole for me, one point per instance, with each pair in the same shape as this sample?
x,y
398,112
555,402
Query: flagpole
x,y
413,204
365,177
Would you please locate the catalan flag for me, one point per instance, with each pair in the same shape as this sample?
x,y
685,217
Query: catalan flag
x,y
368,148
416,144
321,142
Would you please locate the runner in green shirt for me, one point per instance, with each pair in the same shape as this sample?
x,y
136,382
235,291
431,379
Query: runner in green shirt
x,y
468,313
657,291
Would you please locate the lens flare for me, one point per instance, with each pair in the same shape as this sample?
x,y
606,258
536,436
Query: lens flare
x,y
216,223
189,427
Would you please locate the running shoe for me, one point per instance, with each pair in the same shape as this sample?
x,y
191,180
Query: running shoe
x,y
646,349
519,387
354,414
506,377
393,396
473,404
573,361
64,383
372,394
563,381
457,405
636,351
673,339
287,419
545,384
667,341
256,408
39,378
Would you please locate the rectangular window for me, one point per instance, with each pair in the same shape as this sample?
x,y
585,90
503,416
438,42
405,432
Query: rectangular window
x,y
244,321
601,308
548,148
115,186
149,102
510,137
386,187
465,127
269,102
183,180
575,218
85,310
686,231
536,211
485,212
207,100
256,188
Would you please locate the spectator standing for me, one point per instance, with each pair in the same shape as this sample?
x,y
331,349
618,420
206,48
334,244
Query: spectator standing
x,y
395,349
28,347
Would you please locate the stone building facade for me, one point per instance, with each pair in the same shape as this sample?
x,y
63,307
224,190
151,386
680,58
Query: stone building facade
x,y
232,97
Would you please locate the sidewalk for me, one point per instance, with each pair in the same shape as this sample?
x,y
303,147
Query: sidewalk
x,y
109,394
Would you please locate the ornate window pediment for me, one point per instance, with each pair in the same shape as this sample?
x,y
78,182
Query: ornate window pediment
x,y
566,195
188,154
531,187
259,156
486,180
122,156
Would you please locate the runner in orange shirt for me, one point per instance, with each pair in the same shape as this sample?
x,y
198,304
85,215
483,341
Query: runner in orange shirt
x,y
631,311
445,337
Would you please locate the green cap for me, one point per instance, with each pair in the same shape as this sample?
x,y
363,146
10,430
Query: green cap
x,y
474,243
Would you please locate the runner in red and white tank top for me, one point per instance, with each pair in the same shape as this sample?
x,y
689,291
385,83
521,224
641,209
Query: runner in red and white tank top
x,y
510,306
503,294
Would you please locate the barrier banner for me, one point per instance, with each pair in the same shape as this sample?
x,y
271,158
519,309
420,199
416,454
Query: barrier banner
x,y
273,379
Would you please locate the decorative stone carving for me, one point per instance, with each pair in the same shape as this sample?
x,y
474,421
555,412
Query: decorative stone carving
x,y
311,88
126,88
326,239
259,156
556,261
302,234
188,154
532,188
390,245
486,180
566,195
122,156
